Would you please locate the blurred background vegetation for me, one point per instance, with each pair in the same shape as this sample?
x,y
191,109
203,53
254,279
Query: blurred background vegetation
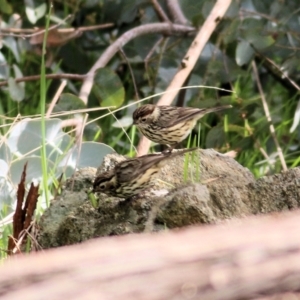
x,y
253,34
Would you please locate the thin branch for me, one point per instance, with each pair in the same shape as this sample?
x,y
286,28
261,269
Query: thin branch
x,y
176,12
189,61
131,73
162,28
55,98
48,76
268,116
160,12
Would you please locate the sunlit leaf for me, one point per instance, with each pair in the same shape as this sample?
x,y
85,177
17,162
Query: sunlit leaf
x,y
108,88
34,14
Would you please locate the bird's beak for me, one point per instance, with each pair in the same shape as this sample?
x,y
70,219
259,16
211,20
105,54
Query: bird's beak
x,y
134,122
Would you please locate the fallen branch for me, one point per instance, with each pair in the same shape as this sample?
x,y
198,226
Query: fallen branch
x,y
242,260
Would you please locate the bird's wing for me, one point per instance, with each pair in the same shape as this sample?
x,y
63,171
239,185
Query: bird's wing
x,y
168,115
171,115
126,170
129,169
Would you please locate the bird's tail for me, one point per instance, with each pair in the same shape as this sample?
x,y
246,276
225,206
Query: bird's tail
x,y
218,108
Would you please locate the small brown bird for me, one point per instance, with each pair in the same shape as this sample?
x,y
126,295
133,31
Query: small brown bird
x,y
131,176
169,125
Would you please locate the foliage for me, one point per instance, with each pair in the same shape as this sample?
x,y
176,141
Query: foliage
x,y
264,32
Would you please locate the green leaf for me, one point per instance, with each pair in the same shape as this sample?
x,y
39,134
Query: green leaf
x,y
259,41
244,53
68,102
108,88
5,7
215,137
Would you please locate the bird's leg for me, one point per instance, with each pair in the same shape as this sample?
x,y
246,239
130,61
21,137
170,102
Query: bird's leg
x,y
169,149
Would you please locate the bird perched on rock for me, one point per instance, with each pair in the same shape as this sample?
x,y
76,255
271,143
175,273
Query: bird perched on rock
x,y
130,177
169,125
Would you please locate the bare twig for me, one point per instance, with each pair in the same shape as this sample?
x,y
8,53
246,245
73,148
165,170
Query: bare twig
x,y
34,32
189,61
176,12
163,28
55,98
268,116
160,12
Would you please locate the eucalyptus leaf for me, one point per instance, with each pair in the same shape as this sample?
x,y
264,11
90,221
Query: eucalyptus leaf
x,y
244,53
34,14
18,74
11,44
26,138
91,155
16,90
126,121
33,171
5,153
4,70
7,193
3,168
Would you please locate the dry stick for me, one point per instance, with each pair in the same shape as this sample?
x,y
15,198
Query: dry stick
x,y
268,116
160,12
176,12
34,31
55,98
189,61
163,28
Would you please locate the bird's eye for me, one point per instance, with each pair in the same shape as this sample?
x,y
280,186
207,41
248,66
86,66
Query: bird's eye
x,y
143,120
102,187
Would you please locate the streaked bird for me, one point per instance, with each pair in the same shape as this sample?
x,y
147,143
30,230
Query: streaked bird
x,y
169,125
130,177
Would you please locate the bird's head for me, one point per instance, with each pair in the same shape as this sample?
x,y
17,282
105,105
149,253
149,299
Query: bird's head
x,y
105,183
145,115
